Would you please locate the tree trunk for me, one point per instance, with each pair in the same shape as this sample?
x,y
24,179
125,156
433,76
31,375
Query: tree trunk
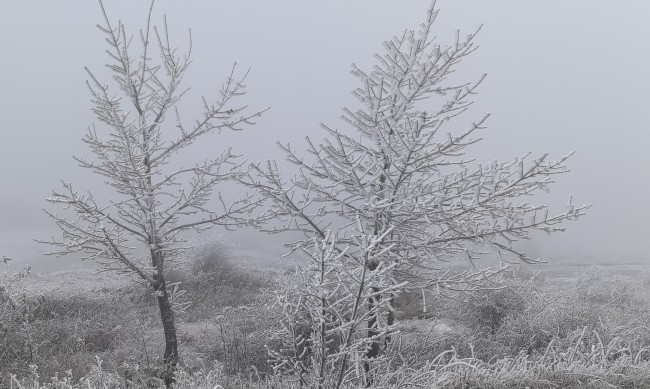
x,y
390,319
170,358
373,351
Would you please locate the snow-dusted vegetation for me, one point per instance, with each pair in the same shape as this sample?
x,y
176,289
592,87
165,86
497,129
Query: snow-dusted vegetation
x,y
585,332
403,241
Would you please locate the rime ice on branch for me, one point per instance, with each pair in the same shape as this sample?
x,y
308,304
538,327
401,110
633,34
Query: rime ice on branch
x,y
140,230
402,165
322,310
401,168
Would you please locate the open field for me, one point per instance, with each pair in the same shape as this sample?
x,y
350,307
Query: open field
x,y
567,327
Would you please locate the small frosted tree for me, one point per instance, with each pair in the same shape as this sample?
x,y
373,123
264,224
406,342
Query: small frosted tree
x,y
401,168
154,200
322,309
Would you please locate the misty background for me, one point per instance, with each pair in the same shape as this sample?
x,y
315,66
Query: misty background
x,y
562,76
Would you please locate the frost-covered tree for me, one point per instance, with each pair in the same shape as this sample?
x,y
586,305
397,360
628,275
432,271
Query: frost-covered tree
x,y
322,309
402,168
154,199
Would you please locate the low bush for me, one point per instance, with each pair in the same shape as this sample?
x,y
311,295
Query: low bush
x,y
597,286
241,340
411,303
486,310
212,265
531,319
213,280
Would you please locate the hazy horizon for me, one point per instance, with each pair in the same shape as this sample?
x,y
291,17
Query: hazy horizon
x,y
562,77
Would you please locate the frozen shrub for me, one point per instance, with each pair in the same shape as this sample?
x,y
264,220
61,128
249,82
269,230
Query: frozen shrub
x,y
241,338
100,340
61,333
329,315
488,309
597,286
410,304
599,301
485,310
212,265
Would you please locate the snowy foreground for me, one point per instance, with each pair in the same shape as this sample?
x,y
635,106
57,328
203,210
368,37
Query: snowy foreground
x,y
100,330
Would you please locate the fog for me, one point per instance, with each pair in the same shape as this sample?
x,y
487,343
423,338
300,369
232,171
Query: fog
x,y
562,76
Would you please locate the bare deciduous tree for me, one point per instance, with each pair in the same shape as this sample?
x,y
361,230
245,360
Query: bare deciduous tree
x,y
153,202
402,167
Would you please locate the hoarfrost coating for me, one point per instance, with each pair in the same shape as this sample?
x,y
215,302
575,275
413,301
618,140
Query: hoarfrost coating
x,y
396,190
153,202
546,90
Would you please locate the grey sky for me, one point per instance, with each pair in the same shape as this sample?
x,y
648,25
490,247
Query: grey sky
x,y
562,75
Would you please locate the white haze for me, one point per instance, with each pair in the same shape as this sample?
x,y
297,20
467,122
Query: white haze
x,y
562,76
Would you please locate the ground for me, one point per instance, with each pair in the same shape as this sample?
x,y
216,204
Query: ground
x,y
556,325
